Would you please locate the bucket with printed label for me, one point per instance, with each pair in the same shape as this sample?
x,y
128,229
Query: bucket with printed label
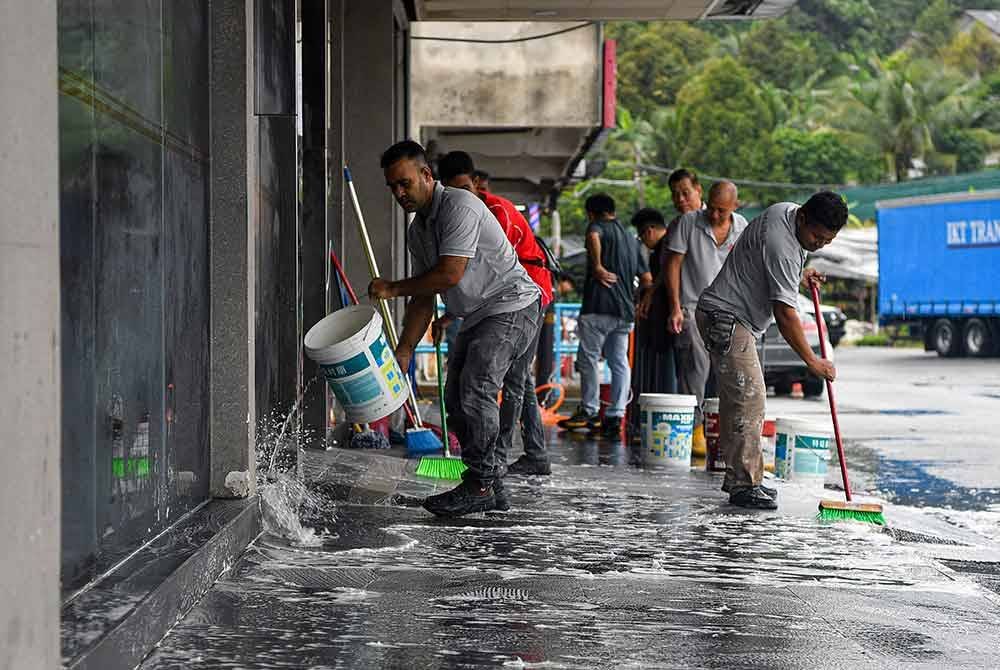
x,y
666,423
358,364
714,459
801,450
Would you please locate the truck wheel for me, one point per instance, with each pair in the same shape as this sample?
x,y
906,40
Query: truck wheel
x,y
945,338
977,338
812,387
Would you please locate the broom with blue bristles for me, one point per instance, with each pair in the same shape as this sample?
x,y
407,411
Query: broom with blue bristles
x,y
419,440
835,510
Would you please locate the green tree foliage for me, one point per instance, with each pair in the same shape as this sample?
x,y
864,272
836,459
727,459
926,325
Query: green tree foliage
x,y
823,157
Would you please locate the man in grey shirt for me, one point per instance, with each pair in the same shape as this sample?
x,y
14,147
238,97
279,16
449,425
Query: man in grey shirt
x,y
699,244
760,278
459,250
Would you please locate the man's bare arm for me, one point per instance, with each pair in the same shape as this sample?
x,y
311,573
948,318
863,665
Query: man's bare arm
x,y
445,274
791,329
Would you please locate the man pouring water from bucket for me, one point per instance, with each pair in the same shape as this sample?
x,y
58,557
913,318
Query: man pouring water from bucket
x,y
759,279
459,250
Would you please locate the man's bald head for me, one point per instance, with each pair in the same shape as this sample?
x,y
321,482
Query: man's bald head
x,y
723,199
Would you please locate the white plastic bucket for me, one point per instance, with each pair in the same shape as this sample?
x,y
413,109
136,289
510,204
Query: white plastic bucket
x,y
801,449
715,461
357,362
666,423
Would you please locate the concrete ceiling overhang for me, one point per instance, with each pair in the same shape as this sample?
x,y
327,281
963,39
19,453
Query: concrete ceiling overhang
x,y
596,10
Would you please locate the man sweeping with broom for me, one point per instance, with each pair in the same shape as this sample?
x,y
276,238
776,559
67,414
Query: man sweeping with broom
x,y
459,250
760,278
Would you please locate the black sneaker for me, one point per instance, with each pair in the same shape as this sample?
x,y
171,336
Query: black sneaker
x,y
611,428
468,497
581,420
752,498
500,496
766,489
528,466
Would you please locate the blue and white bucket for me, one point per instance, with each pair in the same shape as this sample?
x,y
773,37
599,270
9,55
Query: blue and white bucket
x,y
801,450
666,423
358,363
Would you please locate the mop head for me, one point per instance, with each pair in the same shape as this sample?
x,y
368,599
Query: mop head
x,y
441,467
369,439
421,441
836,510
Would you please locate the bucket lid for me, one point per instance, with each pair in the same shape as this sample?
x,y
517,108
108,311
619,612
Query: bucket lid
x,y
668,400
801,426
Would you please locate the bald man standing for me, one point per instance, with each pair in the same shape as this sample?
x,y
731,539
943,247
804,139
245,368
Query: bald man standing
x,y
698,245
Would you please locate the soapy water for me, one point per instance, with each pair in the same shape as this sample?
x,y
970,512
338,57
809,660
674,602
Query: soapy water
x,y
285,499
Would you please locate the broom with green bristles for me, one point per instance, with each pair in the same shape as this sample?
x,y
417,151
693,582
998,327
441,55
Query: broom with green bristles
x,y
447,466
835,510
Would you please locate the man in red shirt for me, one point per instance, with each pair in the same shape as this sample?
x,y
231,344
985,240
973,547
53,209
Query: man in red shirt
x,y
456,169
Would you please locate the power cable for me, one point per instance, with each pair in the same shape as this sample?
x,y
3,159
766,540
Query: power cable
x,y
506,41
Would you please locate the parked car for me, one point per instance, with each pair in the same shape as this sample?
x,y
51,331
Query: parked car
x,y
833,317
783,367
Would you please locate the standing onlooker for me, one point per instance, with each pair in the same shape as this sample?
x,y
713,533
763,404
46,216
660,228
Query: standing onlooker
x,y
760,279
654,370
698,245
606,316
456,170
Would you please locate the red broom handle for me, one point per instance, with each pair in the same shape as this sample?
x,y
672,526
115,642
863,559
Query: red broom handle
x,y
829,392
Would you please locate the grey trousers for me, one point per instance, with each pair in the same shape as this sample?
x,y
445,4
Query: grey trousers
x,y
493,354
693,363
742,396
532,430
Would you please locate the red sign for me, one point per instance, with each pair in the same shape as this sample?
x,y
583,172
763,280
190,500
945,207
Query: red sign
x,y
608,117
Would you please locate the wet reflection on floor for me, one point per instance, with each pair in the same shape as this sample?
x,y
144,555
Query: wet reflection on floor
x,y
602,564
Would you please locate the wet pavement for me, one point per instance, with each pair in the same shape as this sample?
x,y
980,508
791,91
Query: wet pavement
x,y
606,565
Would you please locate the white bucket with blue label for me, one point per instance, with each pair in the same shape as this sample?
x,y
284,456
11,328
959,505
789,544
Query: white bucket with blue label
x,y
358,364
802,450
666,423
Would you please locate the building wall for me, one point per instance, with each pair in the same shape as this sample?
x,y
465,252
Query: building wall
x,y
548,82
29,337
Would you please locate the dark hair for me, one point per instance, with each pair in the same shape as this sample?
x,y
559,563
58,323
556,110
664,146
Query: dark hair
x,y
600,203
400,150
646,218
480,174
826,209
453,164
677,176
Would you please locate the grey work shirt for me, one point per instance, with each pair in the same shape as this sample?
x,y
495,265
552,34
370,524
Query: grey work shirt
x,y
703,258
764,267
459,224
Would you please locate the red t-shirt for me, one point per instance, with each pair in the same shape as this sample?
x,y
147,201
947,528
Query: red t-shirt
x,y
516,227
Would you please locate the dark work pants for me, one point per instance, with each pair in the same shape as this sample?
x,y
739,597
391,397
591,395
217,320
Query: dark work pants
x,y
493,354
532,432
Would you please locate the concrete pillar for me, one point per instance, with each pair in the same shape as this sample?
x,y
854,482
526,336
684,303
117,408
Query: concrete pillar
x,y
29,336
233,250
373,71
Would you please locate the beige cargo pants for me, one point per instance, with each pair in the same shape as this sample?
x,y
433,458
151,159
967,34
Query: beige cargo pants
x,y
742,396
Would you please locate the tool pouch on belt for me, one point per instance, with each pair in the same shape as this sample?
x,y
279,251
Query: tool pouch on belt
x,y
721,326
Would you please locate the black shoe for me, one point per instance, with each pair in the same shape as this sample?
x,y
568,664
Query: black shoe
x,y
580,420
500,496
528,466
752,498
468,497
611,428
766,489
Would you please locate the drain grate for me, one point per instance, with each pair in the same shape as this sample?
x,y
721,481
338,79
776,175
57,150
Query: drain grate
x,y
909,536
